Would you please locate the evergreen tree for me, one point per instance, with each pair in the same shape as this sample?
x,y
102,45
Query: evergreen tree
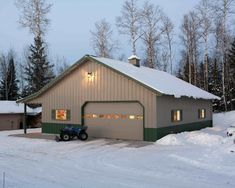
x,y
8,84
38,71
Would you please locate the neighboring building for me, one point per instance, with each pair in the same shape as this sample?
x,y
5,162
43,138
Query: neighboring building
x,y
122,101
11,116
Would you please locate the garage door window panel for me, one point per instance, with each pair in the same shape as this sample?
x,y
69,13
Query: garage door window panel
x,y
114,116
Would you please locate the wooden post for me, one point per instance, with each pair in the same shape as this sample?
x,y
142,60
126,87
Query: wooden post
x,y
25,119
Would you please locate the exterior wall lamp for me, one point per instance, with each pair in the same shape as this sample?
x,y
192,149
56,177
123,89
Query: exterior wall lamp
x,y
90,76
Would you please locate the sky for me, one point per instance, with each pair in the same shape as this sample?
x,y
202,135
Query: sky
x,y
69,35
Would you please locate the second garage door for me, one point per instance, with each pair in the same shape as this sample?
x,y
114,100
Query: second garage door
x,y
119,120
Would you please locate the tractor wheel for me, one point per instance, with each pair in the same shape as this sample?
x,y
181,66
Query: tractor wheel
x,y
83,136
65,136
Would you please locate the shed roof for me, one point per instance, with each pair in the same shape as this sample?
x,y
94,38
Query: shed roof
x,y
11,107
158,81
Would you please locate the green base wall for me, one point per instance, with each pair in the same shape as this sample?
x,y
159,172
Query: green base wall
x,y
54,128
152,134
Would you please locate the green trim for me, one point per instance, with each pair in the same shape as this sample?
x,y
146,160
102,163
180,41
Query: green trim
x,y
54,128
161,132
150,134
69,70
153,134
134,101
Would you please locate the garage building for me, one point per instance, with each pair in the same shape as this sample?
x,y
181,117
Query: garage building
x,y
12,115
122,100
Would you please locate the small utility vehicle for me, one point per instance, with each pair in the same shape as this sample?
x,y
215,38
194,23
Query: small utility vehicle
x,y
69,133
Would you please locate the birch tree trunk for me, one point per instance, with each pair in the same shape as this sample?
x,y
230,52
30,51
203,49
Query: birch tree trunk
x,y
102,41
128,22
205,28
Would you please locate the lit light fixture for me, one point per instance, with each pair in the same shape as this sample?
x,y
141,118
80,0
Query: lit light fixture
x,y
90,76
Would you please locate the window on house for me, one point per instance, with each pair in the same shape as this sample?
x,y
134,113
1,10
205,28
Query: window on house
x,y
176,115
61,114
201,113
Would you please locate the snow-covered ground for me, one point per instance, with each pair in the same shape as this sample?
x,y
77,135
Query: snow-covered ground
x,y
203,158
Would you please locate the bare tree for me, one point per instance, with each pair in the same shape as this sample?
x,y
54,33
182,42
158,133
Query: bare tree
x,y
186,38
33,15
165,59
223,9
190,37
205,20
169,33
23,63
128,22
153,30
102,41
61,64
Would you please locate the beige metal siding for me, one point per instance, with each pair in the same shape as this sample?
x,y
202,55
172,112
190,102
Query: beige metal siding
x,y
189,107
110,127
10,121
75,89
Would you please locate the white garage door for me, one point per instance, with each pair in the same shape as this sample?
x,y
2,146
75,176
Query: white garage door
x,y
120,120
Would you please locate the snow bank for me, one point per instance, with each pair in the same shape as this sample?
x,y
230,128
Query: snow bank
x,y
170,139
196,138
206,137
224,120
200,138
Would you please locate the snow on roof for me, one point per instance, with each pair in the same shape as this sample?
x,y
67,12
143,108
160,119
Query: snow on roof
x,y
157,80
133,57
11,107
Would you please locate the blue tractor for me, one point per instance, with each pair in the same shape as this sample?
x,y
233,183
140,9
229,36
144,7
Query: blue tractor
x,y
69,133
